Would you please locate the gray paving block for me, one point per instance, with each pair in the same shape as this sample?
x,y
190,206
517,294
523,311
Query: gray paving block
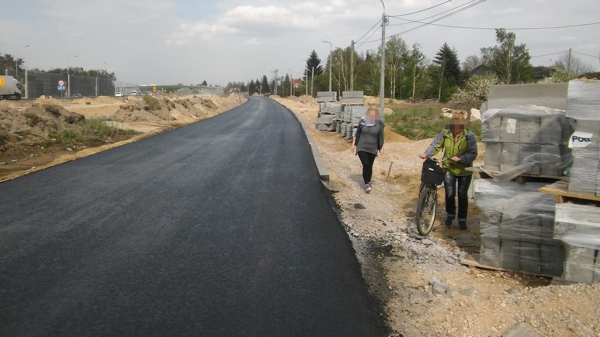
x,y
579,264
490,252
509,255
493,155
521,330
552,259
324,119
529,257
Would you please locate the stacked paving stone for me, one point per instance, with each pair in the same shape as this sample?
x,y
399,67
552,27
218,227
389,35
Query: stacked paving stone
x,y
326,96
353,97
578,227
329,113
526,139
517,225
583,106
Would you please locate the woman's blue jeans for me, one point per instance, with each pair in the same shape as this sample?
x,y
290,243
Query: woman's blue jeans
x,y
450,184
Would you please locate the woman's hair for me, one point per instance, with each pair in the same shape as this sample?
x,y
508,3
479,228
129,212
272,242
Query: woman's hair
x,y
373,108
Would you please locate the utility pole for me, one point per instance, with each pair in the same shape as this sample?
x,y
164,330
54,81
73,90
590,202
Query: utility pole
x,y
275,81
291,81
352,66
382,85
570,61
330,47
312,83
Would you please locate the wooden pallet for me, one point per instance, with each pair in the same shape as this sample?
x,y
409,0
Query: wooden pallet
x,y
520,179
561,193
472,261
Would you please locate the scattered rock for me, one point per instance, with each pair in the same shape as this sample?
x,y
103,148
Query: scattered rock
x,y
515,291
359,206
14,161
465,240
427,242
3,163
69,149
438,287
521,330
466,291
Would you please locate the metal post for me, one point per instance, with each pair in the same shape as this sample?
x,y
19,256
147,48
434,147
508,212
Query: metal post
x,y
382,88
352,67
330,47
291,80
312,83
69,84
26,84
96,86
570,61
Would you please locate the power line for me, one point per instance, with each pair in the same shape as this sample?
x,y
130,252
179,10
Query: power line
x,y
440,13
423,10
375,31
509,29
375,25
594,56
562,52
443,17
452,11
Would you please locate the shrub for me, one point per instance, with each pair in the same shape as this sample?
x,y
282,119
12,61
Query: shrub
x,y
152,102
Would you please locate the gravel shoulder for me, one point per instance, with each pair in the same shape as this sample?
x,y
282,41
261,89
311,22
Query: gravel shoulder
x,y
431,293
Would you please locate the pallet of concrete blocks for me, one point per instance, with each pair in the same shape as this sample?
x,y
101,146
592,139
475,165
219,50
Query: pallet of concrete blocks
x,y
516,226
578,227
353,97
330,108
326,123
526,139
583,105
326,96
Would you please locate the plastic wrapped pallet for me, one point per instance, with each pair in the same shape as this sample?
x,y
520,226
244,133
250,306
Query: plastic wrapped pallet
x,y
583,100
586,158
578,227
516,226
518,136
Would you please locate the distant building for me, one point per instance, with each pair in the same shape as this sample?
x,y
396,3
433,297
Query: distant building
x,y
296,83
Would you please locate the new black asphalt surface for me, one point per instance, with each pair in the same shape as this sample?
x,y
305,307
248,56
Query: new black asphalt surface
x,y
220,228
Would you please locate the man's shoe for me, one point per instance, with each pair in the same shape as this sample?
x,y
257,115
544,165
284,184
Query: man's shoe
x,y
462,224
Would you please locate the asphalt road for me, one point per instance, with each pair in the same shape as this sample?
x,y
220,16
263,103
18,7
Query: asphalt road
x,y
219,228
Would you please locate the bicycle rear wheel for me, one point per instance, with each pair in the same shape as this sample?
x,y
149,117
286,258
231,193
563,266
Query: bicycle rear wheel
x,y
426,208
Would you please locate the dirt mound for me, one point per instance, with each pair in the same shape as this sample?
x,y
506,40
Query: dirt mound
x,y
105,100
48,101
391,136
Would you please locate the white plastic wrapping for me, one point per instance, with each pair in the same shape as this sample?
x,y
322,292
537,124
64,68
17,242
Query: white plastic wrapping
x,y
525,139
585,171
517,227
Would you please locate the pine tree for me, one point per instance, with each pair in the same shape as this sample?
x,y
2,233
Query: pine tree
x,y
313,61
447,59
265,85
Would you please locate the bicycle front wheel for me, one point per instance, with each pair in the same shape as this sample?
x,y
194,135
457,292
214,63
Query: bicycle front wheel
x,y
426,208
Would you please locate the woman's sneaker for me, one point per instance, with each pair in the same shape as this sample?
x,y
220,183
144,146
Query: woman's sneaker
x,y
368,188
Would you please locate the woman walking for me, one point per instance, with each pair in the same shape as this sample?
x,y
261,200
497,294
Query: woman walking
x,y
460,149
367,141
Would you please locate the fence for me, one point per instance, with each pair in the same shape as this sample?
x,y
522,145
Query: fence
x,y
38,84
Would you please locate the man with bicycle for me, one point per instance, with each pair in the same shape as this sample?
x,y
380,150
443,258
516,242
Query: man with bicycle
x,y
460,150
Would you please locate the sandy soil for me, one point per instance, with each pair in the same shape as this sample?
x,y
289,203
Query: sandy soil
x,y
25,126
473,302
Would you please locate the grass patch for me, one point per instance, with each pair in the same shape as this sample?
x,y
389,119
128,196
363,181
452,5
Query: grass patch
x,y
152,102
208,103
3,138
95,131
421,121
32,119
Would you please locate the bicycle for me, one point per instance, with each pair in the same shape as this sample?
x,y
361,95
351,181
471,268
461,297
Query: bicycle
x,y
432,176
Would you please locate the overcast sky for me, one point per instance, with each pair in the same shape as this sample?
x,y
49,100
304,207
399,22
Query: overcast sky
x,y
188,41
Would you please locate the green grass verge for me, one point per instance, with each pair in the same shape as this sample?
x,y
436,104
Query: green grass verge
x,y
94,131
421,122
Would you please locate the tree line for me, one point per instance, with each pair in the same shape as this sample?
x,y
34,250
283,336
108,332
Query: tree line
x,y
9,62
410,75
